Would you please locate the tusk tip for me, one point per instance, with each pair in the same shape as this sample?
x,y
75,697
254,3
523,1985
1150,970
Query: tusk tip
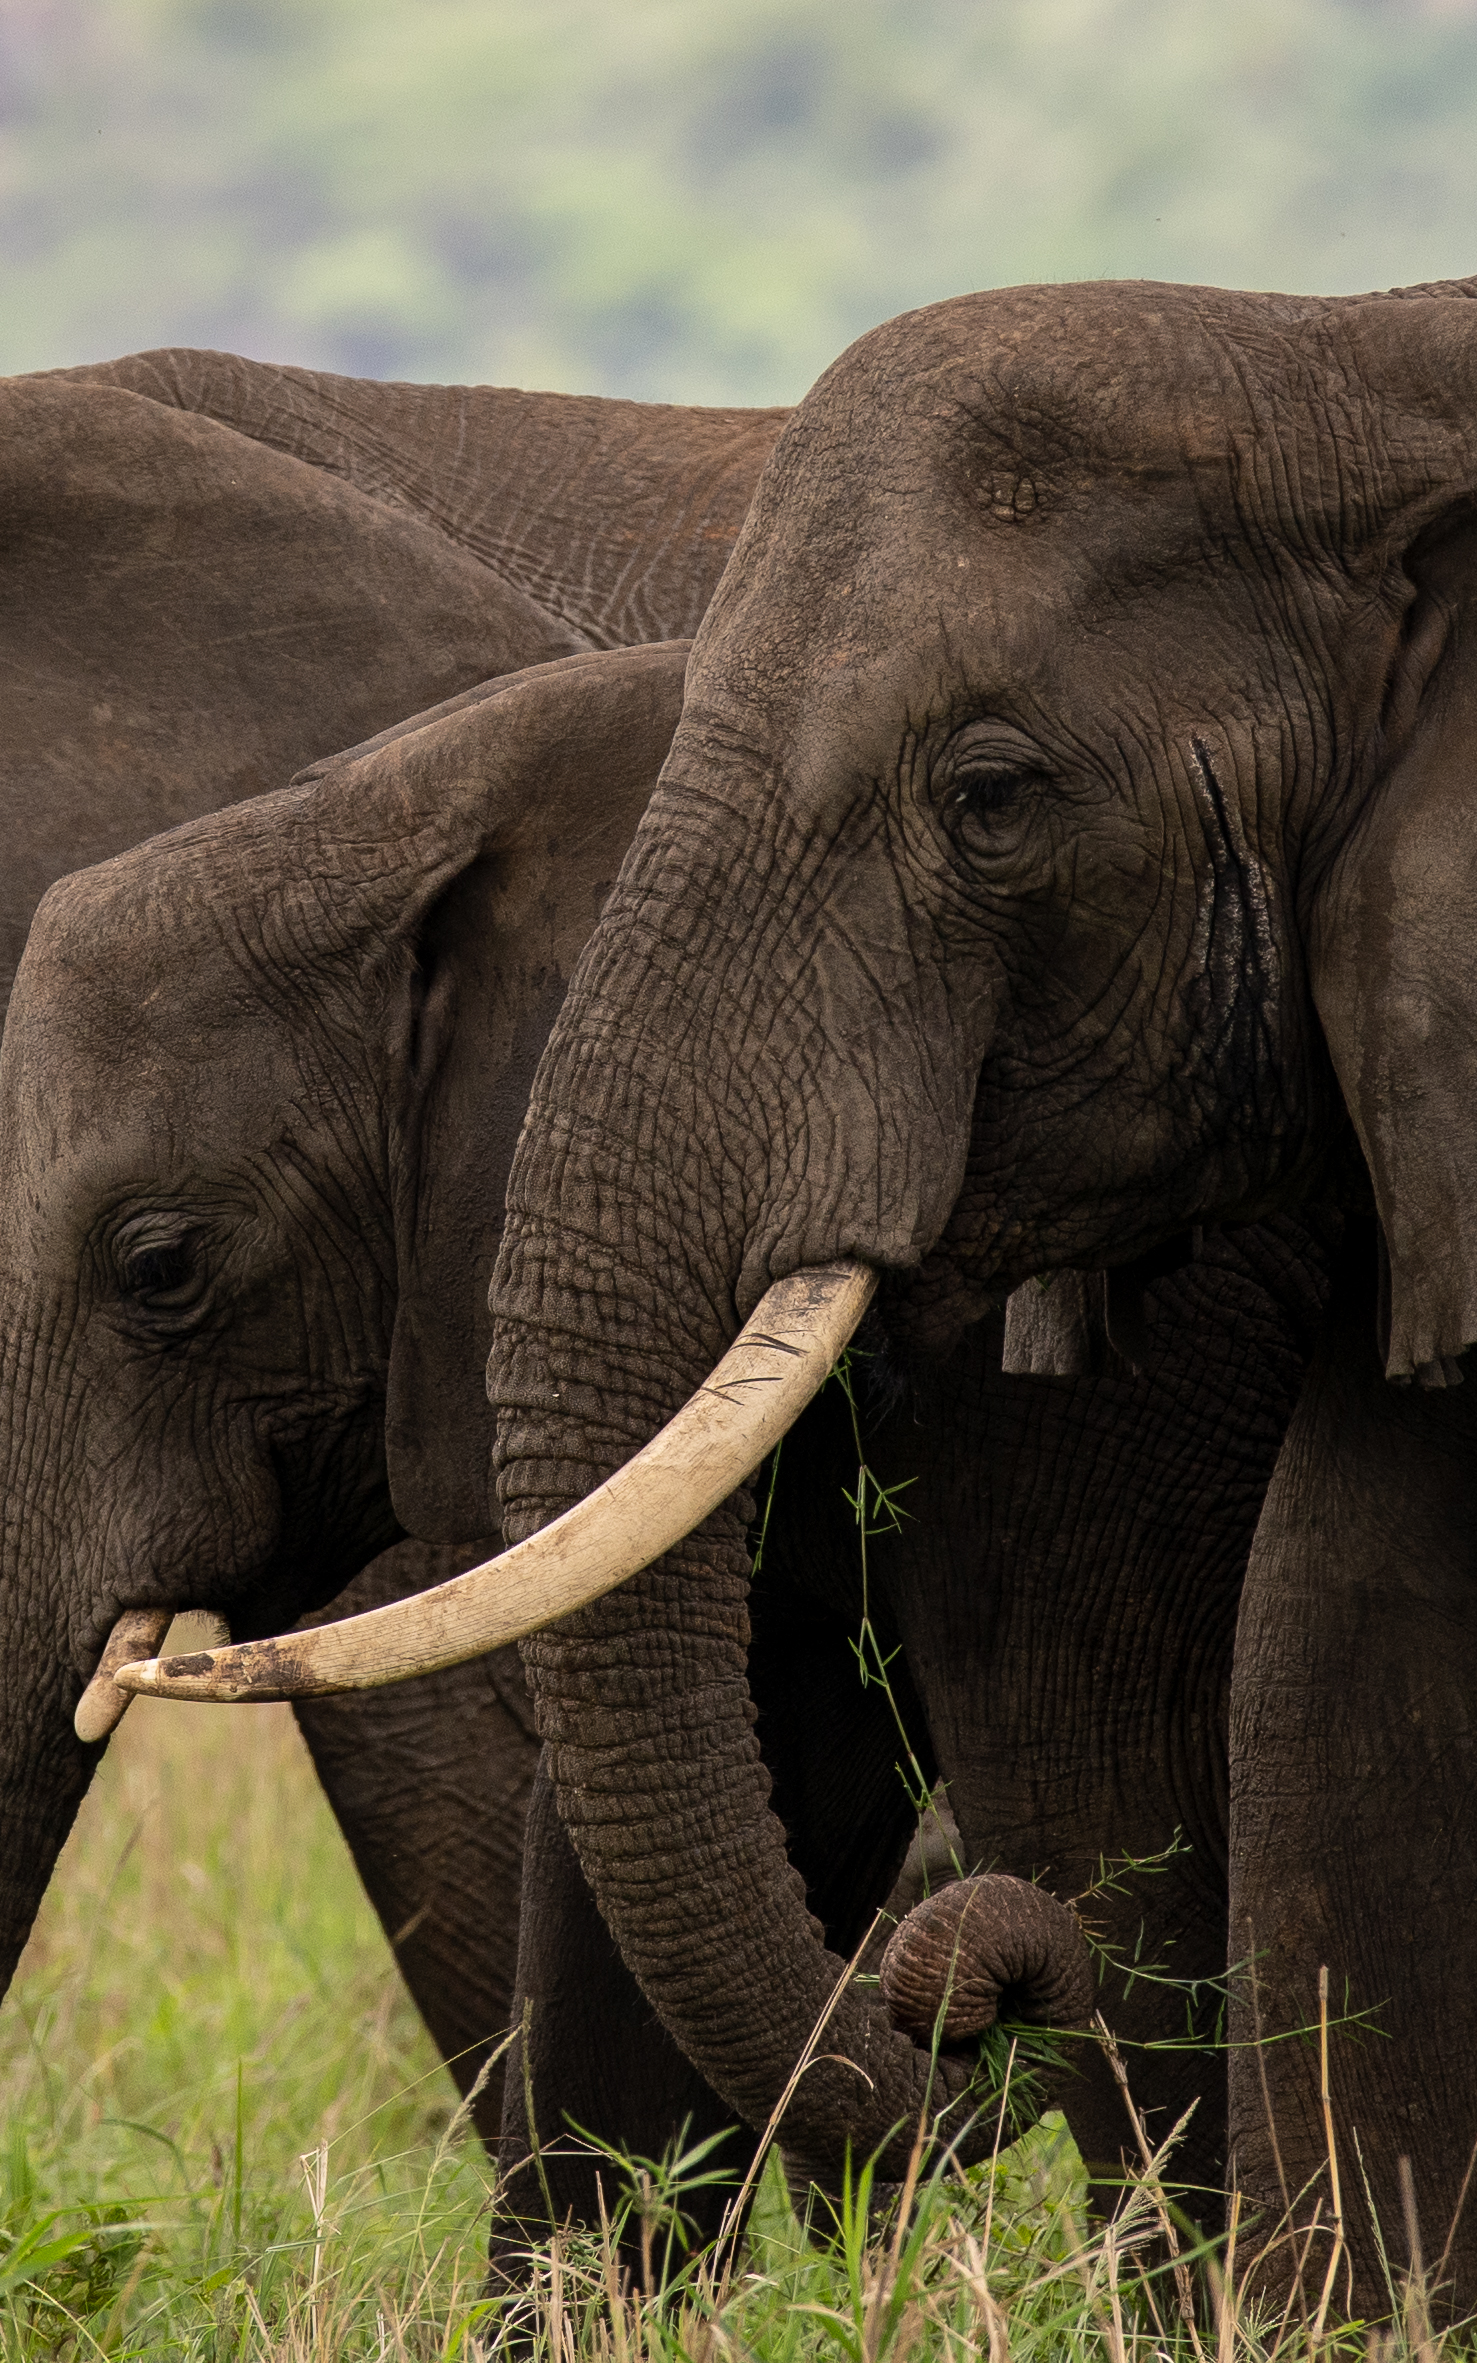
x,y
100,1710
217,1676
141,1678
107,1698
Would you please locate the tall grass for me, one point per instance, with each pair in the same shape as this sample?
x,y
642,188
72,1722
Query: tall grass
x,y
226,2135
207,1997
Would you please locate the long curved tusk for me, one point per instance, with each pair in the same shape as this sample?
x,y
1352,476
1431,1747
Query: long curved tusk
x,y
102,1706
776,1363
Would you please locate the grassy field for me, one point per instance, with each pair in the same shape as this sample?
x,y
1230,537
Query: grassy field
x,y
227,2135
205,1998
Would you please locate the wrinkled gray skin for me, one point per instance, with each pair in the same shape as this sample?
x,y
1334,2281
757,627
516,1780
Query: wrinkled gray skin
x,y
214,573
1070,819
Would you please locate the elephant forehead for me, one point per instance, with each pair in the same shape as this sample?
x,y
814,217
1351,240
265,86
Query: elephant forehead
x,y
171,946
1032,403
1130,376
1022,492
131,1035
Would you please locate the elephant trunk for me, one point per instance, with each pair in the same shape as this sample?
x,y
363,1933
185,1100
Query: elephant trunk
x,y
643,1701
49,1634
669,1173
45,1768
44,1775
961,1952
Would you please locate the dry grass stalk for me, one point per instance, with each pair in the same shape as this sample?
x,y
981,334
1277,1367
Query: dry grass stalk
x,y
1184,2286
1335,2190
1260,2048
734,2213
1222,2278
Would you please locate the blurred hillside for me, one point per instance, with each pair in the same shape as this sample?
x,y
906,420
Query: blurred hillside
x,y
695,199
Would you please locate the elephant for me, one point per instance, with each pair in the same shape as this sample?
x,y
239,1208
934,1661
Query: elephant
x,y
1062,852
361,972
1059,856
1064,847
217,572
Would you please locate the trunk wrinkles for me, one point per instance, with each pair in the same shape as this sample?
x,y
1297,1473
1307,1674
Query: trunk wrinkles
x,y
694,1135
44,1767
644,1702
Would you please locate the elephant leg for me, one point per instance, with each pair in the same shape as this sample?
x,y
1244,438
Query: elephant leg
x,y
591,2053
430,1782
1354,1804
830,1738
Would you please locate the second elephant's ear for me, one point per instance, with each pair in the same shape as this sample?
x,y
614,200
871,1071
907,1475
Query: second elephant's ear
x,y
1393,965
504,818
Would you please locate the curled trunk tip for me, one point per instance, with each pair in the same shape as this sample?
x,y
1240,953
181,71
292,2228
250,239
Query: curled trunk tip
x,y
978,1942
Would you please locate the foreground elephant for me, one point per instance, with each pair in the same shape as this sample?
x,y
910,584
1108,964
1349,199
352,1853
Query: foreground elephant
x,y
1071,815
1068,832
214,573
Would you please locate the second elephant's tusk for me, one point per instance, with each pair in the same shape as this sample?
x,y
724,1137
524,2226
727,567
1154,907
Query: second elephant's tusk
x,y
779,1359
102,1706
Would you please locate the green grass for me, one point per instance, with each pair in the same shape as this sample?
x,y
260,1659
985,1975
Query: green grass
x,y
226,2135
206,1997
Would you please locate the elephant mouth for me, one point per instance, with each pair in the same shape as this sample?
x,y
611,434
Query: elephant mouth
x,y
778,1361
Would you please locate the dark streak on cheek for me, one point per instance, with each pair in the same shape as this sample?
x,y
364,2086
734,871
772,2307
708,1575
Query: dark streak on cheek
x,y
1234,1001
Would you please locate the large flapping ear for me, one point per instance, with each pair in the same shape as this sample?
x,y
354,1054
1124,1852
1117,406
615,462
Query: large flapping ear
x,y
503,818
187,617
1393,934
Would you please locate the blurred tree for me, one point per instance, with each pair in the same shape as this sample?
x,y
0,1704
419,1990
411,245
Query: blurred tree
x,y
695,199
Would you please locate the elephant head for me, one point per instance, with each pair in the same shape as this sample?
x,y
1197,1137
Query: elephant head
x,y
260,1085
1066,821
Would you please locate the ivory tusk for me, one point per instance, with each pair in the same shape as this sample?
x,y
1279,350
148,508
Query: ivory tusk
x,y
102,1706
779,1359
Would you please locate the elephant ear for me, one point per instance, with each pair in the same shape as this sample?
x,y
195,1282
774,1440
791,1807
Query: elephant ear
x,y
496,826
1392,934
1393,961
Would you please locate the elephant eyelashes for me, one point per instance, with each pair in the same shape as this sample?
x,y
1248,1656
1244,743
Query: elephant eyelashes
x,y
159,1270
987,806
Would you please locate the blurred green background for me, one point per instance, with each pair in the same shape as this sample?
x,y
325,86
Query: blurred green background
x,y
699,200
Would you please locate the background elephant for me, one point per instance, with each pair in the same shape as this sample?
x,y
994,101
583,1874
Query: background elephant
x,y
1069,821
1075,1529
216,572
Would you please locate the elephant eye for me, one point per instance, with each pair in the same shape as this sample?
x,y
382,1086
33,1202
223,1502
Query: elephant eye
x,y
991,776
159,1266
980,790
